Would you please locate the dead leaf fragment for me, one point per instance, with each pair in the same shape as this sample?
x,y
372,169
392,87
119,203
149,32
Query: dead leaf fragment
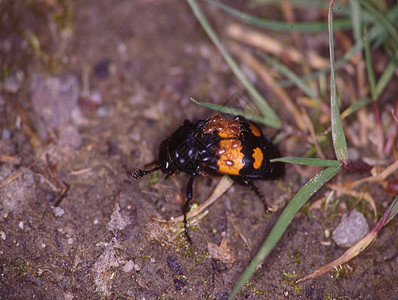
x,y
221,252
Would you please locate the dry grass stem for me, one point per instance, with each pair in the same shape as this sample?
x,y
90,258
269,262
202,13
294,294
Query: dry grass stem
x,y
224,184
378,178
257,67
359,195
273,46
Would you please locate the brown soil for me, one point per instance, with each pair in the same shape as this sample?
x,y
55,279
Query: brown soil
x,y
93,87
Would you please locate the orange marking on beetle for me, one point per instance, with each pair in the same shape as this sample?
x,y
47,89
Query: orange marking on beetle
x,y
227,129
227,134
231,161
255,130
258,158
235,144
221,151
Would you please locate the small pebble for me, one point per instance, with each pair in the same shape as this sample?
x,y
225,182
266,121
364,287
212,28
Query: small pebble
x,y
13,83
102,112
58,211
20,225
70,136
286,293
6,134
351,230
128,267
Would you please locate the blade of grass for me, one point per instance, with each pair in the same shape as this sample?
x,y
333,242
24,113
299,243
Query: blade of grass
x,y
383,21
338,64
280,26
301,3
385,78
338,136
284,98
271,119
355,106
380,5
377,33
340,9
273,46
355,9
283,222
369,67
392,211
290,75
318,162
232,111
389,214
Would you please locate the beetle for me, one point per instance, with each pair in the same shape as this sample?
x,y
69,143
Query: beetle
x,y
216,147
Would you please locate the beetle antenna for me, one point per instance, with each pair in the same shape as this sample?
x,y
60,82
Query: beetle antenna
x,y
139,173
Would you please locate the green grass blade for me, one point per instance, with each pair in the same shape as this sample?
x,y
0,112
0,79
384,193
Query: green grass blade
x,y
280,26
300,3
338,136
318,162
377,33
392,210
283,222
297,3
355,106
231,111
271,119
338,64
339,8
355,9
385,78
290,75
369,67
383,21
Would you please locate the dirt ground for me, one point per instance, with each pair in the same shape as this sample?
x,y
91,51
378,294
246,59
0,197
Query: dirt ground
x,y
89,89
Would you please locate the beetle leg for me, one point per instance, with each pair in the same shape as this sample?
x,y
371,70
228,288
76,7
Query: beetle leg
x,y
139,173
186,205
247,182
